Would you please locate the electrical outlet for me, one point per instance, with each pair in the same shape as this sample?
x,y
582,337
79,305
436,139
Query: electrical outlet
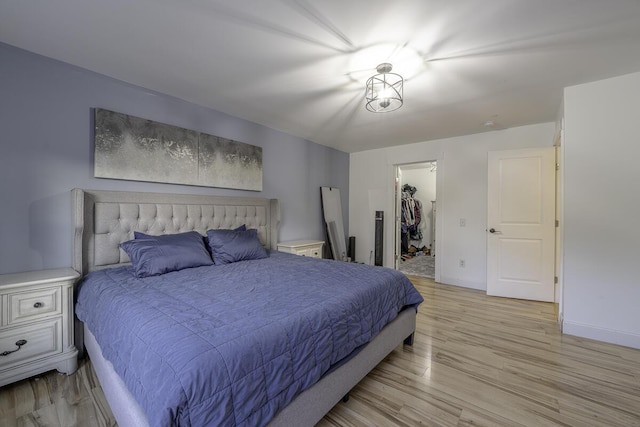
x,y
463,222
462,263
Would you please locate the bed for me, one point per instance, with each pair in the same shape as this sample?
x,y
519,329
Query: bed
x,y
105,219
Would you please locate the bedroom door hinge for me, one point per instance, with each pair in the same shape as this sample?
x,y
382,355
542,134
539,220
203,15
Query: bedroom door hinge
x,y
557,166
555,280
557,223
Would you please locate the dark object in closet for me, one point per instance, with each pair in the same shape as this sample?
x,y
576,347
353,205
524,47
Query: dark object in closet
x,y
379,237
404,239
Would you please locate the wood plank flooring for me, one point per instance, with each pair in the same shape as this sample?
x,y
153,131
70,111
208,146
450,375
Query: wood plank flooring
x,y
476,361
480,360
56,400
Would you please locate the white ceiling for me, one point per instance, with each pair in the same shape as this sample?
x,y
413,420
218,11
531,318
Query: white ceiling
x,y
289,64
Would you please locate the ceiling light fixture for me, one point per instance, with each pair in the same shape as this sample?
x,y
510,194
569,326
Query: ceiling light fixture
x,y
384,90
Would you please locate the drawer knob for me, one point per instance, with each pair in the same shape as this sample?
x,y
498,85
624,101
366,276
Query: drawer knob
x,y
19,343
38,304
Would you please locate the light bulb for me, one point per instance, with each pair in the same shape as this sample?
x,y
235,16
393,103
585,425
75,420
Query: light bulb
x,y
386,93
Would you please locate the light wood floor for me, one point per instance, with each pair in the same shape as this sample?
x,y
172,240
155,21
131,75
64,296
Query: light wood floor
x,y
476,360
56,400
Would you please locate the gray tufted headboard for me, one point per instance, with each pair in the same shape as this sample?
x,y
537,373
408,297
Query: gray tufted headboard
x,y
104,219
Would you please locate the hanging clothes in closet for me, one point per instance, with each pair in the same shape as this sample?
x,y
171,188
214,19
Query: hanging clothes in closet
x,y
411,217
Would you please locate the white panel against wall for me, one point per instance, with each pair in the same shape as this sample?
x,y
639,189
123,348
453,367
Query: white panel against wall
x,y
332,214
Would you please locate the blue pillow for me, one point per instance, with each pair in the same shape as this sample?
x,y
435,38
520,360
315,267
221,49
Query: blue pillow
x,y
206,239
153,255
235,245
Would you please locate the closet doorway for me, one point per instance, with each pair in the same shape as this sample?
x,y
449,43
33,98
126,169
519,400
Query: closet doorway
x,y
416,207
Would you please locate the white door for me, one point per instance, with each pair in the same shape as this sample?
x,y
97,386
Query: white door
x,y
521,224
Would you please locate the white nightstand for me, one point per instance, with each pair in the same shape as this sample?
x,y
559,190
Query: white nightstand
x,y
312,248
36,323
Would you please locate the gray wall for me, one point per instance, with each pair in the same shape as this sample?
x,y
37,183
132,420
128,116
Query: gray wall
x,y
47,149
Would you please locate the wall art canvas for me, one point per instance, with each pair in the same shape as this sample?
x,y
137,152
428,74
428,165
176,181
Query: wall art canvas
x,y
132,148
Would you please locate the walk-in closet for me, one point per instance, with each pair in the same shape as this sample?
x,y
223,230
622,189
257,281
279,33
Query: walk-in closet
x,y
417,212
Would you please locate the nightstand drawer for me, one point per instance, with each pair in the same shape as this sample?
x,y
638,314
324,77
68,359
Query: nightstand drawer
x,y
301,252
42,339
310,248
33,305
315,252
37,314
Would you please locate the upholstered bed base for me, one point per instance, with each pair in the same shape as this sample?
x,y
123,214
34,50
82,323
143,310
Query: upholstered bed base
x,y
104,219
305,410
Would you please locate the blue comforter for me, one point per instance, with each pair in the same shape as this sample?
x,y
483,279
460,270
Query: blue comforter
x,y
234,344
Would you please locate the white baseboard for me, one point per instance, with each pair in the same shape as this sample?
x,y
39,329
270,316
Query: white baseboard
x,y
626,339
482,286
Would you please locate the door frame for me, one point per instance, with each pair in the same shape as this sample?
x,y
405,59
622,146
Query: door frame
x,y
558,143
439,160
